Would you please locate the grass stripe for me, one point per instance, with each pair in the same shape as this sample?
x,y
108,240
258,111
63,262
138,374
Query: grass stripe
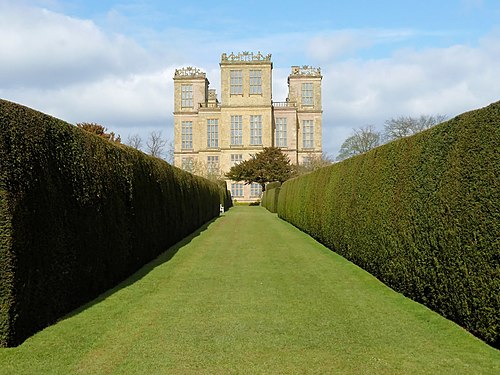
x,y
250,293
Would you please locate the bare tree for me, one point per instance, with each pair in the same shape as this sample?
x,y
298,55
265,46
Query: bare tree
x,y
199,168
156,144
404,126
428,121
399,127
170,151
314,163
361,141
135,141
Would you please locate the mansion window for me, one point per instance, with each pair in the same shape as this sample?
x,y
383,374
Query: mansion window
x,y
308,134
236,130
187,135
255,82
212,133
213,164
307,93
237,190
187,164
306,161
281,132
255,190
256,130
236,159
236,82
187,96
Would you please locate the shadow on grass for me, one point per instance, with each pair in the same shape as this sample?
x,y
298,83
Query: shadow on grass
x,y
143,271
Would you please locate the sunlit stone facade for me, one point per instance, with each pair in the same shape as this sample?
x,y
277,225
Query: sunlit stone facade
x,y
211,135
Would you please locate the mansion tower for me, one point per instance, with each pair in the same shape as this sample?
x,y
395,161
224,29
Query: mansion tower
x,y
210,136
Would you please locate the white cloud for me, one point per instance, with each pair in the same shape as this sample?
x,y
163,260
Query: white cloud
x,y
46,49
332,45
132,100
440,80
72,69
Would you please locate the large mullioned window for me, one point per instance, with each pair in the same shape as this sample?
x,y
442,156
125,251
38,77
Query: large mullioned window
x,y
236,82
255,81
213,164
281,132
187,96
187,135
255,190
256,129
236,159
212,133
237,190
236,130
307,93
308,134
187,164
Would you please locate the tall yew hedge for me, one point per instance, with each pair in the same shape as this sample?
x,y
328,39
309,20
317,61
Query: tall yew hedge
x,y
270,196
422,214
78,214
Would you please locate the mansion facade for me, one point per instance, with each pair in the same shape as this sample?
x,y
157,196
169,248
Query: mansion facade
x,y
212,135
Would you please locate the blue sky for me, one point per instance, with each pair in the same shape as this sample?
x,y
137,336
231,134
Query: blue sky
x,y
112,62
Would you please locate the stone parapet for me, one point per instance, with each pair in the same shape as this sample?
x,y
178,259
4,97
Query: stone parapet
x,y
284,104
189,72
305,70
245,57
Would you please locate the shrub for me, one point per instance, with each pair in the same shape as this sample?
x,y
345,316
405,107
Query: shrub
x,y
422,214
78,214
225,195
270,196
273,185
270,199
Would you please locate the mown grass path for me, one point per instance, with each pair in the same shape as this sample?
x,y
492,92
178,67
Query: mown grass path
x,y
251,294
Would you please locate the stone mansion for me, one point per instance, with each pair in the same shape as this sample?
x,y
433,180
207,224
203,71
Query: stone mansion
x,y
210,135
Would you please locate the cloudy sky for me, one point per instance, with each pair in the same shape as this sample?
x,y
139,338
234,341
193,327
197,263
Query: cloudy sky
x,y
112,62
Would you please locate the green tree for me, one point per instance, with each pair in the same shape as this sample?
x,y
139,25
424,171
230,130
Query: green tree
x,y
361,141
269,165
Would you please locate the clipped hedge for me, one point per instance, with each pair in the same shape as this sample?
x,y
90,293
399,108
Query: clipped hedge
x,y
269,198
225,195
78,214
422,214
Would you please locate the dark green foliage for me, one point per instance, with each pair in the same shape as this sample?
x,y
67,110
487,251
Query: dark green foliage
x,y
79,214
270,196
422,214
272,199
271,164
273,185
225,195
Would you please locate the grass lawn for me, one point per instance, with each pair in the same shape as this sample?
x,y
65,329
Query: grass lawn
x,y
251,294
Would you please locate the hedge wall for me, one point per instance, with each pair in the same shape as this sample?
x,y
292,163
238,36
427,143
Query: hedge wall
x,y
270,198
78,214
225,195
422,214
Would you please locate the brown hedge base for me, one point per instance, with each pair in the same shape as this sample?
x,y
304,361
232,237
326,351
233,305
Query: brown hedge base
x,y
422,214
78,214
